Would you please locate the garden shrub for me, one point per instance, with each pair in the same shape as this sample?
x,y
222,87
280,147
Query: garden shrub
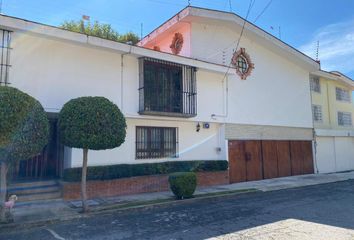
x,y
132,170
183,184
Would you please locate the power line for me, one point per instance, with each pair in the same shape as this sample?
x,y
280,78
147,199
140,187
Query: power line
x,y
263,11
239,39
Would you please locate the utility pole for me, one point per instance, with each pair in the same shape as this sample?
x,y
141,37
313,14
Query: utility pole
x,y
141,31
0,6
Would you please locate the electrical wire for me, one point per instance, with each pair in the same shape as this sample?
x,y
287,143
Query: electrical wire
x,y
239,39
263,11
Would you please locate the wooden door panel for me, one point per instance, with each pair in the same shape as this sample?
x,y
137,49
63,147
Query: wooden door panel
x,y
237,162
253,155
270,159
284,161
297,157
308,157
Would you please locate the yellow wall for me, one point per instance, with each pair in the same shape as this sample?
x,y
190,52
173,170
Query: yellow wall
x,y
330,105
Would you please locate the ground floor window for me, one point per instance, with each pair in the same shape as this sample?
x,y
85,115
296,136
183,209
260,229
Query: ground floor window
x,y
156,142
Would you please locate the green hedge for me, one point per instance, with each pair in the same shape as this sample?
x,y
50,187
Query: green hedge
x,y
183,184
132,170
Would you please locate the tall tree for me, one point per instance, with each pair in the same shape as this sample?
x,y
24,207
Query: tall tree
x,y
91,123
24,132
101,30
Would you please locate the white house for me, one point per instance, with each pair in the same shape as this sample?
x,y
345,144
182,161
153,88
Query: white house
x,y
178,84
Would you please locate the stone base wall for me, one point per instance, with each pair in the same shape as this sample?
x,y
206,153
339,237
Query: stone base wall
x,y
134,185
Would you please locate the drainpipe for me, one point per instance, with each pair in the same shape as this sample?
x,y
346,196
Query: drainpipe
x,y
226,112
314,131
122,77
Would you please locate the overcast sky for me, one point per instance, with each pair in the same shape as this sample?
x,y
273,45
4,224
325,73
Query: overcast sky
x,y
302,22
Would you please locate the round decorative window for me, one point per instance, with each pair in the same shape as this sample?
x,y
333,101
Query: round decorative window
x,y
243,64
177,43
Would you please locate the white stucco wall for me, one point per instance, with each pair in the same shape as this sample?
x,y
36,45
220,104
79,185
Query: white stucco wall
x,y
277,91
193,145
55,71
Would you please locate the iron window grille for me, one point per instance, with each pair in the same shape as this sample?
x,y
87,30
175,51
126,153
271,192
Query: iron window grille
x,y
242,64
156,142
167,89
5,49
315,84
344,119
317,113
342,95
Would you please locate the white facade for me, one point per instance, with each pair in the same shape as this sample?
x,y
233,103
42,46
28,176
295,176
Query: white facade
x,y
55,66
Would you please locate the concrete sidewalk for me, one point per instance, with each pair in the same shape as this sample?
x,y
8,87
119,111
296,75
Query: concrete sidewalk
x,y
40,213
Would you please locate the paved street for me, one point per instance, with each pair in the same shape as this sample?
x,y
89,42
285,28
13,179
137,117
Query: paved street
x,y
316,212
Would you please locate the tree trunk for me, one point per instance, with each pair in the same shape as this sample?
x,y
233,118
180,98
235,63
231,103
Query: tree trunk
x,y
3,190
83,181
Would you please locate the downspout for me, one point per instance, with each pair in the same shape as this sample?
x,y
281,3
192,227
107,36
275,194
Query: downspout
x,y
314,131
225,83
122,77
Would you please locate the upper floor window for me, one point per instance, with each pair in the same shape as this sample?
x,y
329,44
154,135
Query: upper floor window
x,y
5,48
344,119
342,94
156,142
317,113
315,84
167,88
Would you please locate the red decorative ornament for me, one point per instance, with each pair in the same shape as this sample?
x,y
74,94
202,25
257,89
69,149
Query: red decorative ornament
x,y
177,43
242,61
157,48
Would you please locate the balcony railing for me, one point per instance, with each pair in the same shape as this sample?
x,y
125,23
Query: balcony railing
x,y
167,89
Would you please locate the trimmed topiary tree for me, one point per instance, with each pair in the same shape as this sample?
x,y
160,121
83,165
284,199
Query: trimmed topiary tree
x,y
24,132
91,123
183,184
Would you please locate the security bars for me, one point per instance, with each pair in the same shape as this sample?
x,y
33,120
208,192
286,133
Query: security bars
x,y
167,89
156,142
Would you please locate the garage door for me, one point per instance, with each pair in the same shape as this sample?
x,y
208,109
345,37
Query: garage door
x,y
260,159
335,154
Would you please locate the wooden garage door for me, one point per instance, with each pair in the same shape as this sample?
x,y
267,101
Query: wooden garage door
x,y
254,160
247,164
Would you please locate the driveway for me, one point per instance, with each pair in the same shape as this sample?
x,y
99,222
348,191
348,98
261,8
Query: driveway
x,y
317,212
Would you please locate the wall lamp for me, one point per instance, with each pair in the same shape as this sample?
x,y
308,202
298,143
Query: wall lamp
x,y
198,127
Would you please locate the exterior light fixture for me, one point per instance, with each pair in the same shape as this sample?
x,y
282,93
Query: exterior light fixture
x,y
198,127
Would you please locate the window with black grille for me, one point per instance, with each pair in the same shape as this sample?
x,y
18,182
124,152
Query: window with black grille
x,y
317,113
167,88
344,119
315,84
342,94
5,49
156,142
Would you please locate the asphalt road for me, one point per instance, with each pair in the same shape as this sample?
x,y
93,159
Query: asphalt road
x,y
316,212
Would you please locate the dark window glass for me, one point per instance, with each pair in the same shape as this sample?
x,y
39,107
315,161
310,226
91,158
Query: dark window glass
x,y
166,88
156,142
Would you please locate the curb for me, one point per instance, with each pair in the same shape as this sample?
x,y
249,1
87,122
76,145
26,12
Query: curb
x,y
124,207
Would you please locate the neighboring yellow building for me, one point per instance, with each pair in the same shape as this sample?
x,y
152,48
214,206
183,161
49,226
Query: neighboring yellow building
x,y
333,111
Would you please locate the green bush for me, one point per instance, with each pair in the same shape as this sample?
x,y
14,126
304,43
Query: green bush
x,y
132,170
183,184
24,126
91,123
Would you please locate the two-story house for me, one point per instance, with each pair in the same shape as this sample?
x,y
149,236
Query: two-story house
x,y
333,109
265,109
186,91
